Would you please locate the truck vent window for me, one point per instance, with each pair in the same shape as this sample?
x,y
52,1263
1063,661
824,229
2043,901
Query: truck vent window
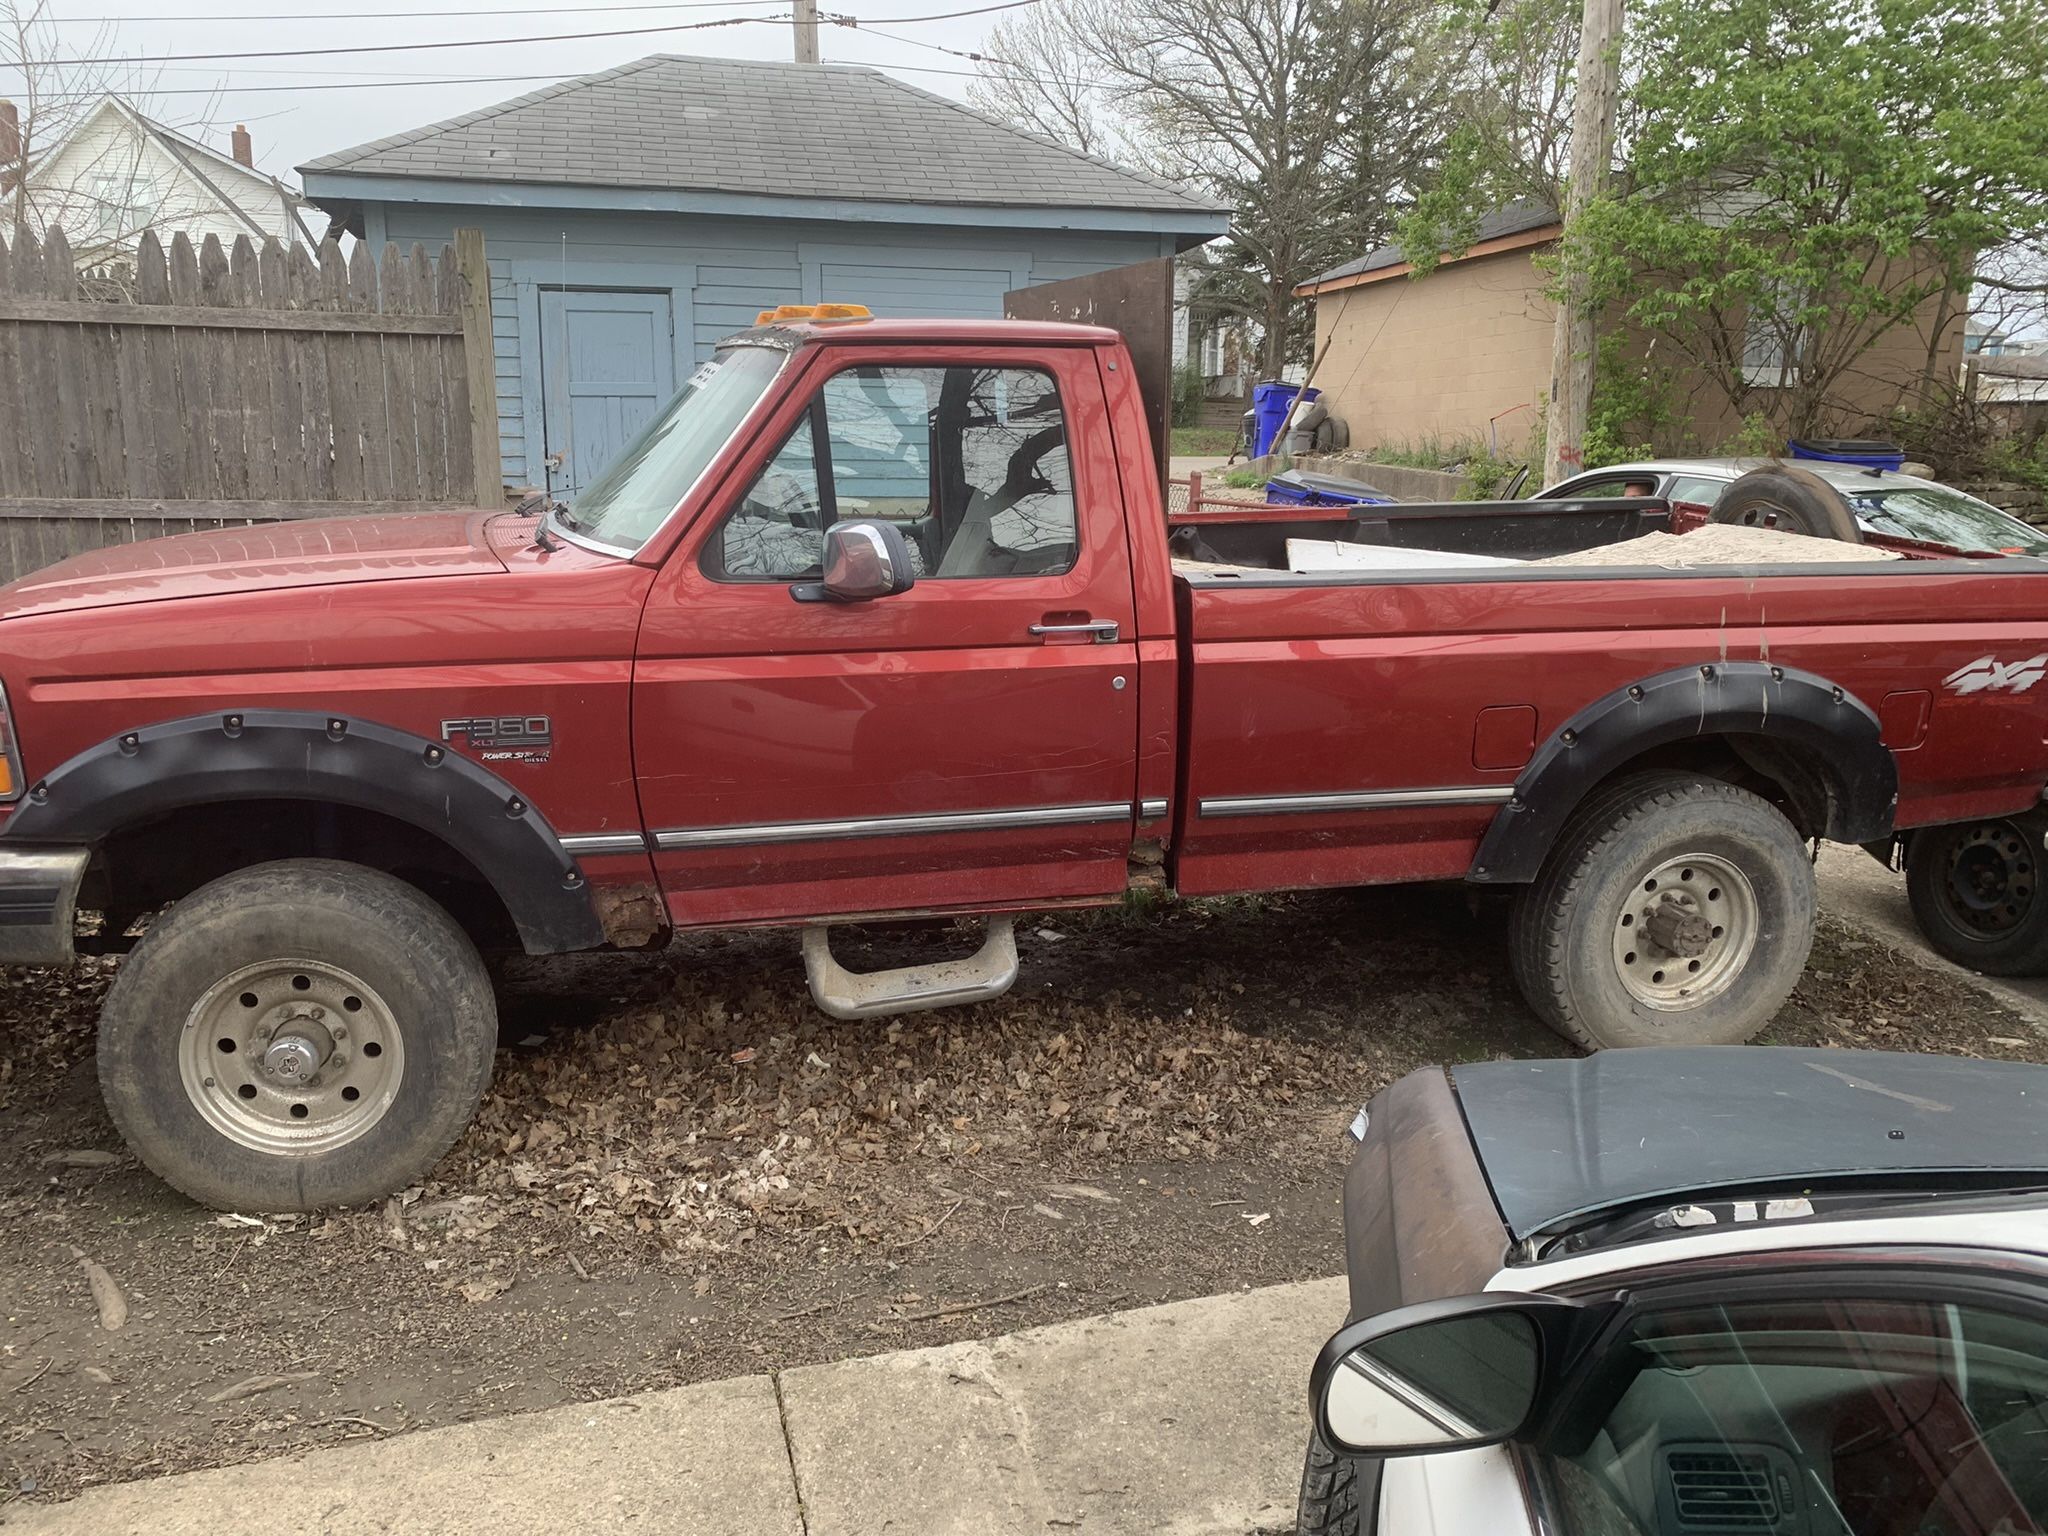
x,y
1717,1491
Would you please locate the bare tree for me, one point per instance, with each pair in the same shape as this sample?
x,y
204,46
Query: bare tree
x,y
1040,79
105,195
1310,118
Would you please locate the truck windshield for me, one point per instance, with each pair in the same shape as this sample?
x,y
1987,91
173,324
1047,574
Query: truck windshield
x,y
635,493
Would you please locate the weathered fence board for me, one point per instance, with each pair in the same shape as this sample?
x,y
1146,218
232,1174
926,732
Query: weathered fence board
x,y
221,386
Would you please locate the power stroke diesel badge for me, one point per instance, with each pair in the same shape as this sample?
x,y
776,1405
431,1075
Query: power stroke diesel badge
x,y
504,738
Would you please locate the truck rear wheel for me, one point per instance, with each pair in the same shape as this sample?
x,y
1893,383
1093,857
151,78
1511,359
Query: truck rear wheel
x,y
1674,910
297,1035
1976,893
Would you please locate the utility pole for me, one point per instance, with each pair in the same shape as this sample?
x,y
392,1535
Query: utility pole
x,y
806,31
1571,338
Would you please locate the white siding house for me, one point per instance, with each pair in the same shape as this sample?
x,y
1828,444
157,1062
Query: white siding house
x,y
117,173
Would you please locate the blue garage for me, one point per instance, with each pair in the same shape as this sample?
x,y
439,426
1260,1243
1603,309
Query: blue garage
x,y
633,217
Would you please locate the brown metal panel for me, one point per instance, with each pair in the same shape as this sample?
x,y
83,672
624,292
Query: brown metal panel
x,y
1419,1220
1137,303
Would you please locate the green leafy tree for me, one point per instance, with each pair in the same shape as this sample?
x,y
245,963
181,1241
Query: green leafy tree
x,y
1806,177
1796,181
1508,86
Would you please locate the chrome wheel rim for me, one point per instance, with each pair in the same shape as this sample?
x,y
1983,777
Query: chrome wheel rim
x,y
291,1057
1684,932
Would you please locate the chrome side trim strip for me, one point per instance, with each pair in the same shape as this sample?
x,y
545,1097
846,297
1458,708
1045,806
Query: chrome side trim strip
x,y
1152,810
1357,800
603,842
892,826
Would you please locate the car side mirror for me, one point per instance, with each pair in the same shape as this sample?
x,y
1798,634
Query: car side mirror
x,y
863,559
1442,1376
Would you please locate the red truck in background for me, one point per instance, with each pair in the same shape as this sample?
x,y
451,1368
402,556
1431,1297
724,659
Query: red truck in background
x,y
881,618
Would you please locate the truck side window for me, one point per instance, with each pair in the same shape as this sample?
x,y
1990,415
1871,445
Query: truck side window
x,y
970,463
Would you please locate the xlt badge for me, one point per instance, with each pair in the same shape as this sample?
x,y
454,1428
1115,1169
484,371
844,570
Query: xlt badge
x,y
504,738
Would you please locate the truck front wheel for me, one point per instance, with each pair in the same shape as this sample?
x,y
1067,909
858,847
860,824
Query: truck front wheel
x,y
297,1035
1674,910
1976,893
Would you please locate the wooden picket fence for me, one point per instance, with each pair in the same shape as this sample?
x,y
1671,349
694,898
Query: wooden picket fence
x,y
224,386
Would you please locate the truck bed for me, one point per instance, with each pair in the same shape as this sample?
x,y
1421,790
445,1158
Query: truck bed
x,y
1365,726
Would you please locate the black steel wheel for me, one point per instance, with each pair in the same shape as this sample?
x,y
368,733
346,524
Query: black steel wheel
x,y
1976,893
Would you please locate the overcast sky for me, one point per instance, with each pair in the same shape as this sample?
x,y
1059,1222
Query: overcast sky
x,y
292,126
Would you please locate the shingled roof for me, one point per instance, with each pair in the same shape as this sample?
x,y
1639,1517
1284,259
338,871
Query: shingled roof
x,y
1522,217
672,123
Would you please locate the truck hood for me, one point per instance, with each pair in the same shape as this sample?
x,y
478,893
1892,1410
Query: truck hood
x,y
313,552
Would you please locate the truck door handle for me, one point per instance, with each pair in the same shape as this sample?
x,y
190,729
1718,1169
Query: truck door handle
x,y
1101,631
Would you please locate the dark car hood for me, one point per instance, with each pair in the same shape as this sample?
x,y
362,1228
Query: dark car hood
x,y
1565,1139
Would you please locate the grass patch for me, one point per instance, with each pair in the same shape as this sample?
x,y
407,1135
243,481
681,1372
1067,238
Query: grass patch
x,y
1205,442
1485,475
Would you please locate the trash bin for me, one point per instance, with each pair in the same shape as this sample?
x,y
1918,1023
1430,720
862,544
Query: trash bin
x,y
1866,453
1297,488
1270,405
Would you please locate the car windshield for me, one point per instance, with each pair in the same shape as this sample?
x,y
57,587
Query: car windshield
x,y
634,495
1939,515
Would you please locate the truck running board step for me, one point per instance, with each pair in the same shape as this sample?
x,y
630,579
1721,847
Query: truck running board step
x,y
988,972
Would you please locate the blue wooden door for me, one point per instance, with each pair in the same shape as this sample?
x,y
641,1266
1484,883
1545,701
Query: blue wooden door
x,y
607,365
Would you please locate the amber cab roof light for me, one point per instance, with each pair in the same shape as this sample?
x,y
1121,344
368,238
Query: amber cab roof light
x,y
782,313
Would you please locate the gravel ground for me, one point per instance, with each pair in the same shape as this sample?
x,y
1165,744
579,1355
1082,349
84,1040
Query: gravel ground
x,y
682,1171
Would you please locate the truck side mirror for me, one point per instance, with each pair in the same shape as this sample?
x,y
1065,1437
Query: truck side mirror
x,y
863,559
1441,1376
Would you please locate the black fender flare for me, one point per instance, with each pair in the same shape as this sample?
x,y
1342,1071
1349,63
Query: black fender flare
x,y
1767,704
274,754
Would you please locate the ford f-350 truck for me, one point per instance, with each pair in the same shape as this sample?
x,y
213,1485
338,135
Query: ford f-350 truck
x,y
886,618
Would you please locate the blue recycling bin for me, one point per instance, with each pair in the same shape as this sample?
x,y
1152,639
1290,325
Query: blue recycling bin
x,y
1865,453
1298,489
1270,405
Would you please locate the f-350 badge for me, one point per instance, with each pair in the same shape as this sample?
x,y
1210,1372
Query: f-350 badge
x,y
504,738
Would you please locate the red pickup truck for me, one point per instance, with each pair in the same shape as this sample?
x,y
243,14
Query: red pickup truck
x,y
884,618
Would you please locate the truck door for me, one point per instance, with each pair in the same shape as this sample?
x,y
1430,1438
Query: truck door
x,y
968,743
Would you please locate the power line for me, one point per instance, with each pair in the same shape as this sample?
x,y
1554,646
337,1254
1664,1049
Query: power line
x,y
532,10
481,42
500,42
414,80
264,90
1022,72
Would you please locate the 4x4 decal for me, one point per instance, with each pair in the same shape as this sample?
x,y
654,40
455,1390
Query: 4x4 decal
x,y
1987,674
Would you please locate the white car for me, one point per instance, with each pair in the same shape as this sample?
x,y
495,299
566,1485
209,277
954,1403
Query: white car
x,y
1741,1292
1884,501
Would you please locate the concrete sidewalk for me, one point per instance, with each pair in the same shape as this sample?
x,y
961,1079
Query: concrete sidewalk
x,y
1186,1418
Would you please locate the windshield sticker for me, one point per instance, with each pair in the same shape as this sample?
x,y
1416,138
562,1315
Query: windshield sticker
x,y
703,375
1987,674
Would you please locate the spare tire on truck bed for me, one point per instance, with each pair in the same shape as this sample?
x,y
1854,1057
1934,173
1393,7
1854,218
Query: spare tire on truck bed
x,y
1789,500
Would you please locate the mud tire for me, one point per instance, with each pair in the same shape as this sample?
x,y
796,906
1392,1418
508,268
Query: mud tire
x,y
421,964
